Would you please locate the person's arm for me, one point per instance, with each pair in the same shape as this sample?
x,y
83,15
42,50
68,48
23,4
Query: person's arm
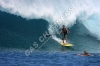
x,y
88,54
60,32
67,30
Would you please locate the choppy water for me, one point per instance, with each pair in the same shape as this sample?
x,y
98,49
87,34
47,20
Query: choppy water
x,y
48,59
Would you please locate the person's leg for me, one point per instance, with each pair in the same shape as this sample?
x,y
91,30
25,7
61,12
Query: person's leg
x,y
66,39
63,39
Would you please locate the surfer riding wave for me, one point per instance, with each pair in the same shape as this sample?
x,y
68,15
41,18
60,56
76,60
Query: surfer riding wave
x,y
65,32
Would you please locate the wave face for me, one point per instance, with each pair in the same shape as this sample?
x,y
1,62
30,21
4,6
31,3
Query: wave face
x,y
81,17
16,32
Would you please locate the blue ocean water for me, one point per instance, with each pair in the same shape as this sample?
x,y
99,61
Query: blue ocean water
x,y
48,59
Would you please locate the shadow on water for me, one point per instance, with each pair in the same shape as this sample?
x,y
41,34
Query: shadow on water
x,y
63,48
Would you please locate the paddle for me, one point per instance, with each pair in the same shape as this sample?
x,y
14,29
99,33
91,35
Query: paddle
x,y
50,35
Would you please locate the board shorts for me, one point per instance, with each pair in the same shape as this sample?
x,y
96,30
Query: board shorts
x,y
65,35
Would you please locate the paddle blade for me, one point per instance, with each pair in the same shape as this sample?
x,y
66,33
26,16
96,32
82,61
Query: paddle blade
x,y
48,35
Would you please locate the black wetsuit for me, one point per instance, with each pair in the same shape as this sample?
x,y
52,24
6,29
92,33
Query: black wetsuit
x,y
65,32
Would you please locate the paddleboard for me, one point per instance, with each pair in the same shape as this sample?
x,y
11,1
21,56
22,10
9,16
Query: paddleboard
x,y
64,44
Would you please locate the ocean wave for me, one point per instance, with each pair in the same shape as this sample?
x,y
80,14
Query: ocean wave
x,y
84,16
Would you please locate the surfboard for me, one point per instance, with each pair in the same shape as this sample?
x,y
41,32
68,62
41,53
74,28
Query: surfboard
x,y
64,44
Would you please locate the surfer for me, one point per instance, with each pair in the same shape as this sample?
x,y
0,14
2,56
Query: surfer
x,y
85,54
65,32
